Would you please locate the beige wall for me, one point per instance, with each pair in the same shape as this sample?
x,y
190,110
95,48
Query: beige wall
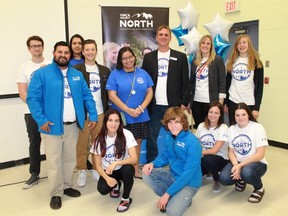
x,y
85,18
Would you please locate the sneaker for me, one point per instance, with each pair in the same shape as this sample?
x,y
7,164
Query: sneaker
x,y
81,182
95,175
33,180
72,192
124,205
216,187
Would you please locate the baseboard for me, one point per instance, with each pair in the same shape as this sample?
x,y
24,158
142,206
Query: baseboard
x,y
19,162
278,144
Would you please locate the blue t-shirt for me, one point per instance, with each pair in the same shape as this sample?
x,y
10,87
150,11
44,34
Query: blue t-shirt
x,y
121,82
74,62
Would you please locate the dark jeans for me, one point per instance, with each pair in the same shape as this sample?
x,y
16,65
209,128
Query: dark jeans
x,y
34,147
124,174
251,174
154,129
213,164
231,109
199,112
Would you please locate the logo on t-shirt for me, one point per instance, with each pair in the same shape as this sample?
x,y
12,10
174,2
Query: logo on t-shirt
x,y
207,141
242,144
140,80
240,72
95,83
67,91
163,67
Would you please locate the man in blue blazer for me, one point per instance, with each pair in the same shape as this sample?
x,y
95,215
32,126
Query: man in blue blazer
x,y
168,69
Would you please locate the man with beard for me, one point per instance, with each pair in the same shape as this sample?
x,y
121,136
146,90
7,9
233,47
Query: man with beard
x,y
56,98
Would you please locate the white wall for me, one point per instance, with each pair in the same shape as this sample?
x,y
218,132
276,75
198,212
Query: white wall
x,y
85,19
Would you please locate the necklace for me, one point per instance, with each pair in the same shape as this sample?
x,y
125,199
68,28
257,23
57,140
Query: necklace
x,y
133,92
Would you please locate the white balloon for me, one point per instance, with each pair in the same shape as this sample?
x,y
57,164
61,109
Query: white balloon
x,y
219,26
188,16
191,41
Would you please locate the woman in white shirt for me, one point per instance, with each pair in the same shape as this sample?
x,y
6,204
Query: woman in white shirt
x,y
114,151
247,146
213,135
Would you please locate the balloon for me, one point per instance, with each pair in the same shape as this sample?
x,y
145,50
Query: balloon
x,y
221,47
178,32
188,16
219,26
191,41
190,58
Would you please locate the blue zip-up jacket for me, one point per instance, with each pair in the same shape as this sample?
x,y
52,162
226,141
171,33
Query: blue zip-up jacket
x,y
45,97
183,155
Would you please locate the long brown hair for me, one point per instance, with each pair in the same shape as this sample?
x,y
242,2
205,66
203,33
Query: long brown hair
x,y
120,141
221,118
253,55
245,107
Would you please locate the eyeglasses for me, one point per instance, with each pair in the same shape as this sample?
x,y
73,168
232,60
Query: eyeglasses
x,y
128,58
36,46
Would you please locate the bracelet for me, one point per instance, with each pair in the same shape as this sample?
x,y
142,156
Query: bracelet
x,y
141,108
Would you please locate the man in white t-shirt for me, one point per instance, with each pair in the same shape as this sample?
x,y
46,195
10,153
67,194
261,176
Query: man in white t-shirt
x,y
168,69
35,46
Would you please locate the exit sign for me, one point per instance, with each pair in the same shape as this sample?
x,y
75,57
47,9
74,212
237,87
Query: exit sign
x,y
232,6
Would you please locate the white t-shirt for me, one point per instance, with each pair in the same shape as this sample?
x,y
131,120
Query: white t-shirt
x,y
161,88
110,156
244,141
202,82
95,86
208,138
25,72
242,83
69,114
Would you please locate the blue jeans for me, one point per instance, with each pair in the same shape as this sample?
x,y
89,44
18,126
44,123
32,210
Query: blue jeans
x,y
154,129
160,180
34,147
251,174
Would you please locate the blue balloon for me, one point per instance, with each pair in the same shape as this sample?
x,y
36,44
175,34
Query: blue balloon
x,y
221,47
178,32
191,57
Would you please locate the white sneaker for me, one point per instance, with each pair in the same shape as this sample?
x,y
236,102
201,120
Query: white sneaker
x,y
82,178
95,175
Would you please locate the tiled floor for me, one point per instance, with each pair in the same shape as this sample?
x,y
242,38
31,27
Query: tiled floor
x,y
35,201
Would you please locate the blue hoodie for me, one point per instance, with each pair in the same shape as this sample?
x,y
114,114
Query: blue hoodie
x,y
46,97
183,155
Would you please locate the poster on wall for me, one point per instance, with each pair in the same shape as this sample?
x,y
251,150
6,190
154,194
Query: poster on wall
x,y
130,26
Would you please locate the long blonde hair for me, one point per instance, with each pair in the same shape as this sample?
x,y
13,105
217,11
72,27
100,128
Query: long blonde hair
x,y
199,53
253,55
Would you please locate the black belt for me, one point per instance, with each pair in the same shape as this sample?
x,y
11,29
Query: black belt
x,y
69,123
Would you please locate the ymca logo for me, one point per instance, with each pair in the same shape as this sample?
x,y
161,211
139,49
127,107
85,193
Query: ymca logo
x,y
242,144
136,21
240,72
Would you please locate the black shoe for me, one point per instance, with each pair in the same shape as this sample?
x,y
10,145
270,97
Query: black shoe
x,y
162,210
72,192
55,202
33,180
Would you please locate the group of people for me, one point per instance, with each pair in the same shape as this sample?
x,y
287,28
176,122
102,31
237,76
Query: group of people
x,y
90,109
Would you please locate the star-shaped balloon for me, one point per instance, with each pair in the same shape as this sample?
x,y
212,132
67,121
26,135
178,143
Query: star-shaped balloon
x,y
188,16
191,41
190,58
221,47
178,32
219,26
